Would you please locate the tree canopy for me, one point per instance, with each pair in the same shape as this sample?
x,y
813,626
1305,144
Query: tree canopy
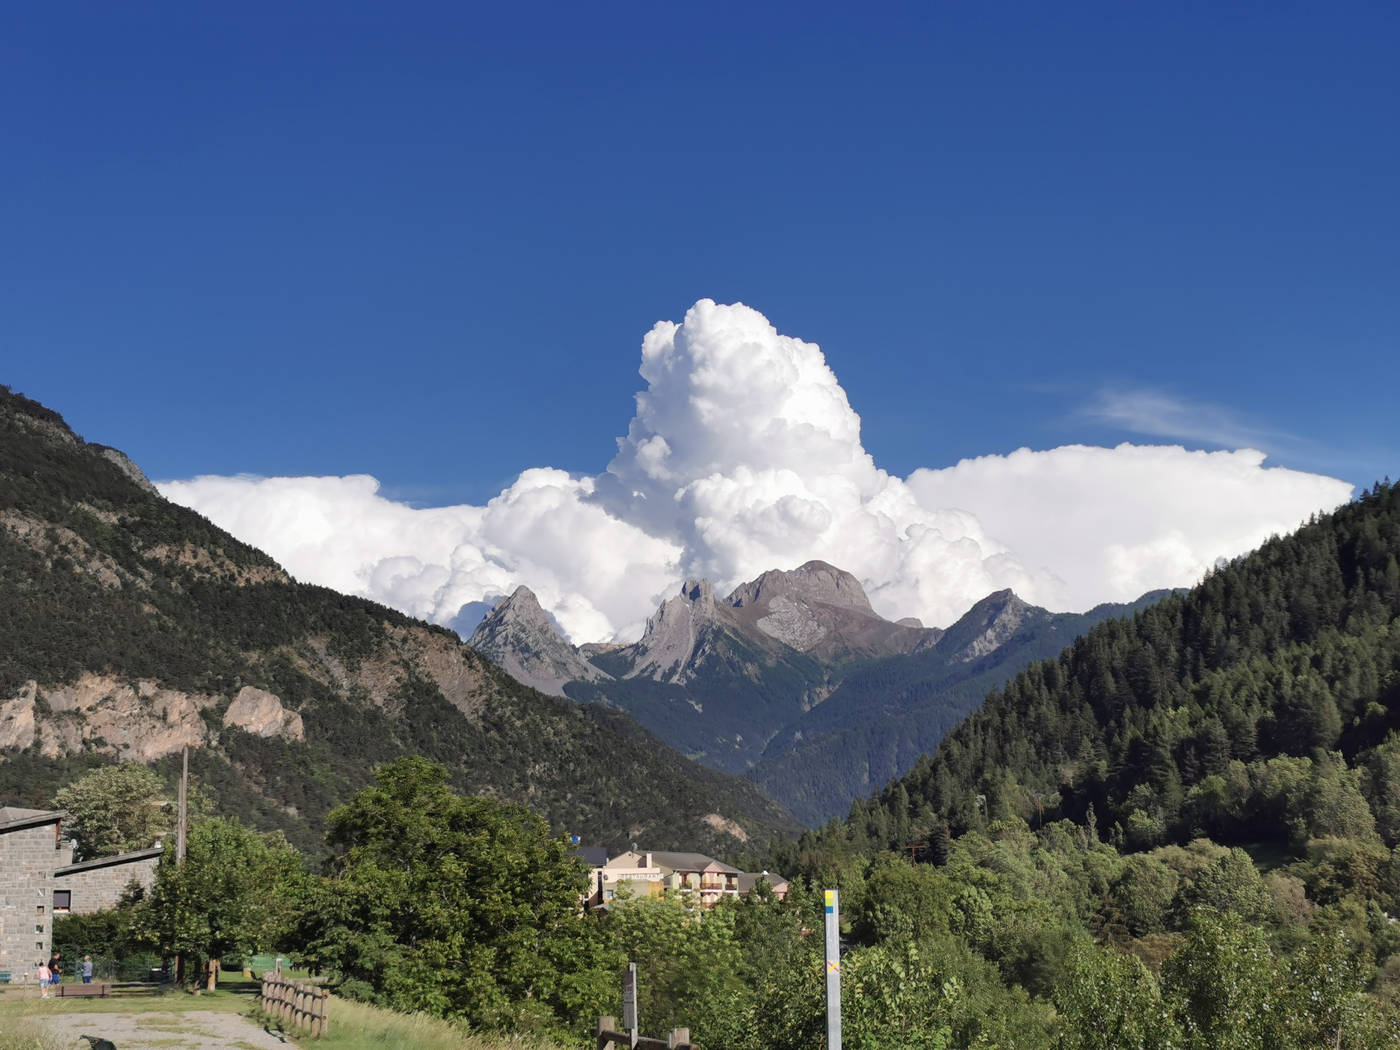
x,y
466,907
115,809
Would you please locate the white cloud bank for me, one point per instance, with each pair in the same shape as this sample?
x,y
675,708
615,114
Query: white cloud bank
x,y
744,455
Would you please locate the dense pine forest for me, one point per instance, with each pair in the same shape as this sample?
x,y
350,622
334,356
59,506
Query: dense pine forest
x,y
1260,707
1180,833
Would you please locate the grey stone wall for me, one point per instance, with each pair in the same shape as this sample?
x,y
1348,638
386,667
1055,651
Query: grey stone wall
x,y
28,857
98,888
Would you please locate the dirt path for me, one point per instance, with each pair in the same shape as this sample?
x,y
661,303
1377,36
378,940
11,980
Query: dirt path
x,y
196,1029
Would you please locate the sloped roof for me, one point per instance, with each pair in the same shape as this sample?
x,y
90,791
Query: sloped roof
x,y
749,879
12,818
107,862
675,861
593,856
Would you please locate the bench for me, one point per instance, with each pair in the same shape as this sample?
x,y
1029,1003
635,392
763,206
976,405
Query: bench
x,y
5,976
99,989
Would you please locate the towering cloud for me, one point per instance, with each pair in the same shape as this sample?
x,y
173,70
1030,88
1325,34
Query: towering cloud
x,y
745,455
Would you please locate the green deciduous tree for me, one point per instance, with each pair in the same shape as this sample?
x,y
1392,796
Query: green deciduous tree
x,y
689,965
237,892
114,809
1223,988
1109,1000
462,907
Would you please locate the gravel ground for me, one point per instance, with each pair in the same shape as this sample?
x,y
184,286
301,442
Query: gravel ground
x,y
201,1029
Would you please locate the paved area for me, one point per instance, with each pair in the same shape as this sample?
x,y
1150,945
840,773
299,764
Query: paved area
x,y
167,1030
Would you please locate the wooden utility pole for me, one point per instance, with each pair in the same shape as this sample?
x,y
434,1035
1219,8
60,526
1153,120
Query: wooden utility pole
x,y
183,815
181,821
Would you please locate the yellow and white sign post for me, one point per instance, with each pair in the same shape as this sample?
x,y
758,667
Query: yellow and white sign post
x,y
833,972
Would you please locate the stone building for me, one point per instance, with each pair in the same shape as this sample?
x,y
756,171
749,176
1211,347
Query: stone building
x,y
39,880
32,849
91,885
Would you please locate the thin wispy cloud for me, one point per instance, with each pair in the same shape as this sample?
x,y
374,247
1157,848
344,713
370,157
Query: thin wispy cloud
x,y
1156,413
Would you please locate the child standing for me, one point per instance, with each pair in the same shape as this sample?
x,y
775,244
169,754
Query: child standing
x,y
44,974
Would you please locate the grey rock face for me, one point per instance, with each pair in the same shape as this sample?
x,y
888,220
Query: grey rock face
x,y
988,625
127,467
816,581
667,648
823,611
519,636
262,714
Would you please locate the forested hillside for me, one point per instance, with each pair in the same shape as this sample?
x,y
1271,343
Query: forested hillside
x,y
131,627
1180,833
884,714
1261,707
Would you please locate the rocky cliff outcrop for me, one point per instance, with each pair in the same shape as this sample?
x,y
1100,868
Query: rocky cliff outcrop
x,y
668,648
138,721
262,714
519,637
988,625
824,611
17,722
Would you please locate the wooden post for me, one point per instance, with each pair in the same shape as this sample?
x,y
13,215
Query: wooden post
x,y
629,1005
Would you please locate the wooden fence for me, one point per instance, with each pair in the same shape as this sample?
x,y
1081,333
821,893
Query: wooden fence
x,y
676,1039
302,1005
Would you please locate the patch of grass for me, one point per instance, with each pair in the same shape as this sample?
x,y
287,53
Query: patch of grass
x,y
20,1029
26,1001
359,1026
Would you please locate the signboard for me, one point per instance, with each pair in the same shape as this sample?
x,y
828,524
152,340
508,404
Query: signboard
x,y
629,1000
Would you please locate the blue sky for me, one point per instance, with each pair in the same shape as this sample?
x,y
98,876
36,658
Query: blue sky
x,y
423,241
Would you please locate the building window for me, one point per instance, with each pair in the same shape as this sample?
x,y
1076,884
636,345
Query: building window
x,y
62,901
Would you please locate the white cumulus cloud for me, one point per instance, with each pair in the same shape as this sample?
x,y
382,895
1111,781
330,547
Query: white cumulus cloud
x,y
745,455
1111,523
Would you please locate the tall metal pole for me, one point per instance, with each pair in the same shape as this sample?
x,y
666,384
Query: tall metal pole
x,y
833,972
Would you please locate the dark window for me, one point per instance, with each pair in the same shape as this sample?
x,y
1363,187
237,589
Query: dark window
x,y
62,900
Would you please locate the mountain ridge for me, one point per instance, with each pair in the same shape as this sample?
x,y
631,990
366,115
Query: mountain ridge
x,y
794,672
134,627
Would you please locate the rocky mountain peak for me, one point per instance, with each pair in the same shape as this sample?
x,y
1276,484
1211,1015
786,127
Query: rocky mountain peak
x,y
521,606
668,642
823,611
988,624
699,592
519,636
815,581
